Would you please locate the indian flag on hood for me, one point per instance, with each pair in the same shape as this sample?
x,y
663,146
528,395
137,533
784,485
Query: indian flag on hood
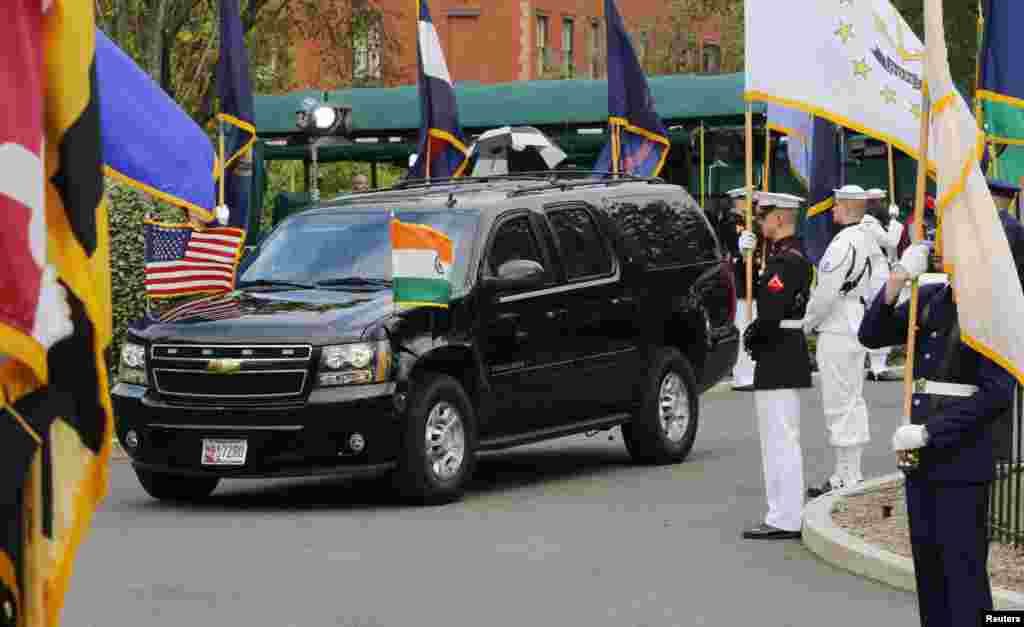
x,y
421,258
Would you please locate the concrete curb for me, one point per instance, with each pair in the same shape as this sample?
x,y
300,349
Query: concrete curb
x,y
841,549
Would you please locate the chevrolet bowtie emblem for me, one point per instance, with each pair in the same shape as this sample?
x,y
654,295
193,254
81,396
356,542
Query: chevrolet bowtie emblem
x,y
224,366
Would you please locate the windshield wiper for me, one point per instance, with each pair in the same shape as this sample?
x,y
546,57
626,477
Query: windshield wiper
x,y
274,283
354,281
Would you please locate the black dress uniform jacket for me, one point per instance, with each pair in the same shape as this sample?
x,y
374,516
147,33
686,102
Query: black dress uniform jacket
x,y
782,291
960,430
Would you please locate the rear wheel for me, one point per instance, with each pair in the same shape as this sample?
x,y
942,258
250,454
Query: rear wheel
x,y
439,442
665,427
167,487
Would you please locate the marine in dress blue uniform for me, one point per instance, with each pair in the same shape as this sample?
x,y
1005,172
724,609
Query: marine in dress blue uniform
x,y
959,397
778,345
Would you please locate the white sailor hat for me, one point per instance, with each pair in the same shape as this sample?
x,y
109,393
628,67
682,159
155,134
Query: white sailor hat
x,y
739,192
769,200
851,192
876,194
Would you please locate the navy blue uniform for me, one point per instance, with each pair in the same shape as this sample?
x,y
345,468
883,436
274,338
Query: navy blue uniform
x,y
947,494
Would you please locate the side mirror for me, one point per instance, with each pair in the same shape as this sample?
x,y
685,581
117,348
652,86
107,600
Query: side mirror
x,y
517,274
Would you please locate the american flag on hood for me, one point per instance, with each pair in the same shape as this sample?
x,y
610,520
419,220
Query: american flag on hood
x,y
181,260
208,308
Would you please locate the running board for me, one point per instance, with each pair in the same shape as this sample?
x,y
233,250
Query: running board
x,y
507,441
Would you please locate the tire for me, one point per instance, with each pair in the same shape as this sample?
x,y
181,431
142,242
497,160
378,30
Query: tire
x,y
166,487
649,438
439,409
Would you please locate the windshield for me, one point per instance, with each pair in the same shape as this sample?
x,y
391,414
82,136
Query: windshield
x,y
351,249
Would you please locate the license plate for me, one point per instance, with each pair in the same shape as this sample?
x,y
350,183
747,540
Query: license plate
x,y
224,452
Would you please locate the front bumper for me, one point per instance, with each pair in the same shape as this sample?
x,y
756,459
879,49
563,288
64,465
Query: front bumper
x,y
283,441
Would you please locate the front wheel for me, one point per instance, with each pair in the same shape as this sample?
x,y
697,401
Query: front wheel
x,y
438,446
665,427
167,487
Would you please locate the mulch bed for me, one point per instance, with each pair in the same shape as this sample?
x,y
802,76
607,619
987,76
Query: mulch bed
x,y
863,516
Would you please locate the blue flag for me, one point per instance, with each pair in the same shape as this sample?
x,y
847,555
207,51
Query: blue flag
x,y
442,151
148,142
236,110
1001,74
638,143
825,177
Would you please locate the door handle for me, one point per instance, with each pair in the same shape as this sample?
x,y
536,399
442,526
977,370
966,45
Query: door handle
x,y
556,313
622,300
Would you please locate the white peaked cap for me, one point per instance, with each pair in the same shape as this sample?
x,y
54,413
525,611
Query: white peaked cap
x,y
876,194
782,201
740,192
851,192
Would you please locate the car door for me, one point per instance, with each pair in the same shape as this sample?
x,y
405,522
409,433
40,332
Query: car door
x,y
601,347
519,335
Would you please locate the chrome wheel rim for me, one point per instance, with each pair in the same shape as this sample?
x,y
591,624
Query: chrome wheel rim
x,y
445,441
673,407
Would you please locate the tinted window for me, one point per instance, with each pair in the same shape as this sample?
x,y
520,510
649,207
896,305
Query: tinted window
x,y
660,234
321,246
583,250
514,240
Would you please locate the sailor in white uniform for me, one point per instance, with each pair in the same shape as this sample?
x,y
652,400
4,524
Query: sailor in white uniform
x,y
852,270
884,225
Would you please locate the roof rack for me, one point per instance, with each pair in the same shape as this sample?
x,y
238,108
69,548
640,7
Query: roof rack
x,y
607,179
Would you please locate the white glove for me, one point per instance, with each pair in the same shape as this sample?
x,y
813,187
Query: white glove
x,y
895,233
53,313
747,241
909,437
894,211
871,221
915,259
222,212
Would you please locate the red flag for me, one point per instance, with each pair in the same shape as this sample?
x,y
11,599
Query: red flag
x,y
22,200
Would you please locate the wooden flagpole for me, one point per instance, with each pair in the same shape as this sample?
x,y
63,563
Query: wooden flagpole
x,y
750,209
906,457
767,158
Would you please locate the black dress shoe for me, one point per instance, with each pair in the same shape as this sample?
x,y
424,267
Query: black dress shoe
x,y
888,375
813,493
743,388
871,376
764,531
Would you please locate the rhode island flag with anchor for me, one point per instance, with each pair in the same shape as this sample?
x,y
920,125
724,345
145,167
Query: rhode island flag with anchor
x,y
442,149
637,143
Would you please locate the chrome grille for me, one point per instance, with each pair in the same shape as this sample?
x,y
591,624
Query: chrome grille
x,y
257,372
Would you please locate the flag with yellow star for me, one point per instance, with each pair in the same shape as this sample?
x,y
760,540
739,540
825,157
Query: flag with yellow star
x,y
856,63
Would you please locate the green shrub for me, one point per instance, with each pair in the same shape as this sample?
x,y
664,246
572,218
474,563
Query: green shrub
x,y
127,209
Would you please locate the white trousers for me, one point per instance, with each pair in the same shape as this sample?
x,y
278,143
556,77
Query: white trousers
x,y
778,421
841,368
743,371
878,359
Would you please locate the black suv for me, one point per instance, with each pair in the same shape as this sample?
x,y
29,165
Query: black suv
x,y
577,306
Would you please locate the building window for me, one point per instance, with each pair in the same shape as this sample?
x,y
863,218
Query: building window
x,y
367,43
542,44
568,65
712,59
595,49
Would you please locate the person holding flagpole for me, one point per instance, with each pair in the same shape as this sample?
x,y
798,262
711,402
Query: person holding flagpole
x,y
847,275
883,224
775,340
748,243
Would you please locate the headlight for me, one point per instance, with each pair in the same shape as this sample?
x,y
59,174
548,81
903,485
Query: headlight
x,y
350,364
133,364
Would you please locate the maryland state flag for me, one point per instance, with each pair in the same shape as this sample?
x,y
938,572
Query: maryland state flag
x,y
55,422
442,151
638,143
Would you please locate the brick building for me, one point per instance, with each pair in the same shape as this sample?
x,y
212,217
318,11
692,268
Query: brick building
x,y
494,41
